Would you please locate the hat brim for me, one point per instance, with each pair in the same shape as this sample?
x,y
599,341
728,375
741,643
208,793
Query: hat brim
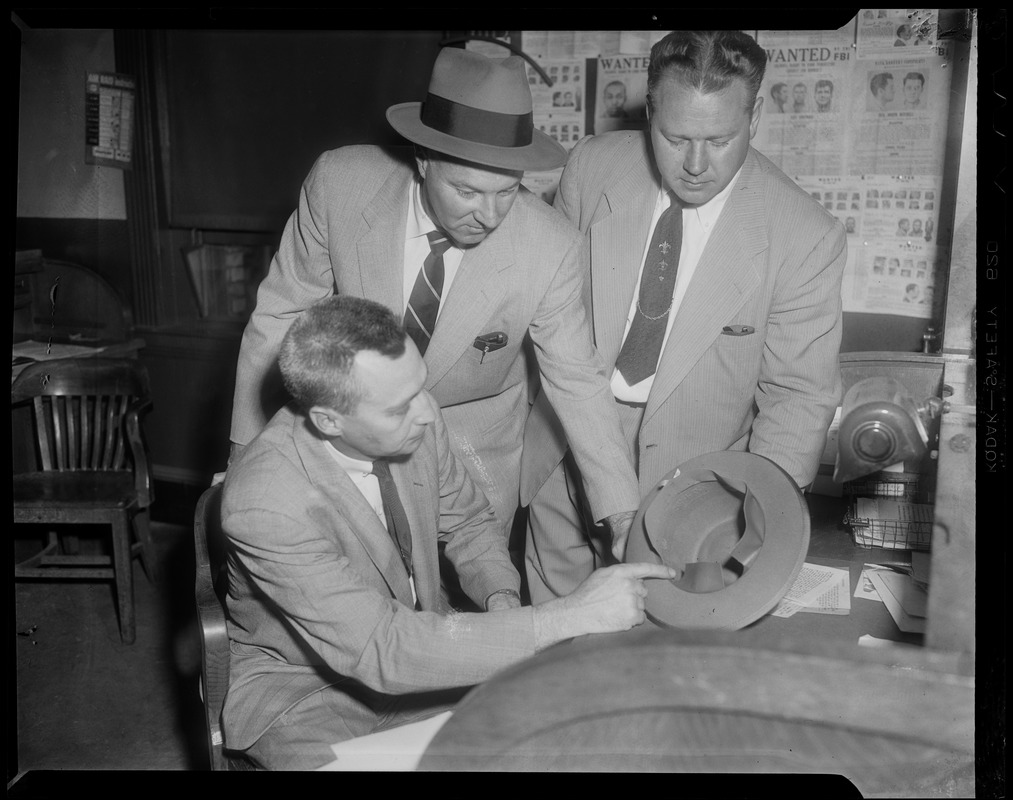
x,y
543,153
768,577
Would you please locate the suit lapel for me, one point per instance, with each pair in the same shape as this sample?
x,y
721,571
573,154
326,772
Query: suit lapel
x,y
724,277
349,502
380,248
477,290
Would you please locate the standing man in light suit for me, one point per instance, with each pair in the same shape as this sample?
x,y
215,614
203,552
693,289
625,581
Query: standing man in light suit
x,y
715,288
484,272
336,621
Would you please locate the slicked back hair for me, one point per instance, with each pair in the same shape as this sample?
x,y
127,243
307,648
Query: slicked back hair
x,y
318,351
707,61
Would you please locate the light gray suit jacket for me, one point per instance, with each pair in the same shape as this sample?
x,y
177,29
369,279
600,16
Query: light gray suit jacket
x,y
774,262
525,280
319,599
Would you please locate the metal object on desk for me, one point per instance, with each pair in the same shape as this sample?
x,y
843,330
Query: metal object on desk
x,y
880,426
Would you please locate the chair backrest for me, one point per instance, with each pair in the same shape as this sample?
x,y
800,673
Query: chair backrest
x,y
211,587
87,415
72,300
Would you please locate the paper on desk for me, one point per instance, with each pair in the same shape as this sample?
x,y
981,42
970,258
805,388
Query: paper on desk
x,y
818,590
396,750
880,508
900,595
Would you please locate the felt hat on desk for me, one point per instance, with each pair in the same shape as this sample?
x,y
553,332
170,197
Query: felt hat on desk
x,y
736,527
478,109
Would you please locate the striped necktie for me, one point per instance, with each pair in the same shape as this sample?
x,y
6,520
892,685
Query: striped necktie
x,y
424,303
639,356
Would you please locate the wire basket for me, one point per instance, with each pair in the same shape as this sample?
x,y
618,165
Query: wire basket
x,y
890,534
897,485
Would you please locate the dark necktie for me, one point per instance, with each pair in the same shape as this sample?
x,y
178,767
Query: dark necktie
x,y
393,511
424,303
639,356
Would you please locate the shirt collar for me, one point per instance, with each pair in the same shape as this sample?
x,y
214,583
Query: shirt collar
x,y
419,222
708,213
353,466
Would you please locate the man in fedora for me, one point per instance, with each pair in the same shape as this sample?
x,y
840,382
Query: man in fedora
x,y
333,512
486,275
715,288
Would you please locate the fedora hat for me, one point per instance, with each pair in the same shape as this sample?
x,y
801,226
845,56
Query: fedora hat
x,y
736,527
478,109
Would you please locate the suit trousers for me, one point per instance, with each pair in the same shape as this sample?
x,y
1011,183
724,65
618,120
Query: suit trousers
x,y
301,738
564,545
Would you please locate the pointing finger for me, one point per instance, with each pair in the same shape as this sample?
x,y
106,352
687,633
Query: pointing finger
x,y
643,570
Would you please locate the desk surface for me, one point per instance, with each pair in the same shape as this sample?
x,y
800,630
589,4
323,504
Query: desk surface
x,y
831,544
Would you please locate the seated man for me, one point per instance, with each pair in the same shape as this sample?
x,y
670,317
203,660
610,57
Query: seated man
x,y
337,624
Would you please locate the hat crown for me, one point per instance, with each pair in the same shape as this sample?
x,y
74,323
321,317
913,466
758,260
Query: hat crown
x,y
491,84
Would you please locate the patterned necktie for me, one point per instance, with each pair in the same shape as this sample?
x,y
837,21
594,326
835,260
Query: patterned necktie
x,y
639,356
393,511
424,304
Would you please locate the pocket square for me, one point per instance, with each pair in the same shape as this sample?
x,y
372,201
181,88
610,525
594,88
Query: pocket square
x,y
738,330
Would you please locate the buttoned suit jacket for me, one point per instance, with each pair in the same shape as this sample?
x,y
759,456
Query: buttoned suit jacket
x,y
525,279
773,263
319,599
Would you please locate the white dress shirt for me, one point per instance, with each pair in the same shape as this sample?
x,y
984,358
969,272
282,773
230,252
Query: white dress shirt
x,y
416,248
697,224
361,473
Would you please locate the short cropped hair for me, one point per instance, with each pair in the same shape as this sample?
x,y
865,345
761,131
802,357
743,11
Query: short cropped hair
x,y
319,349
707,61
914,76
879,82
824,82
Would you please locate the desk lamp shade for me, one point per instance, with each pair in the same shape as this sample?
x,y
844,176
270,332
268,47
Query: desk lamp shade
x,y
736,527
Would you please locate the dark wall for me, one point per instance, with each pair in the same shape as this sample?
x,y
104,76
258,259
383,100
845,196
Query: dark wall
x,y
98,244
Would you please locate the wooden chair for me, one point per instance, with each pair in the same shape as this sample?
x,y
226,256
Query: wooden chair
x,y
91,468
212,583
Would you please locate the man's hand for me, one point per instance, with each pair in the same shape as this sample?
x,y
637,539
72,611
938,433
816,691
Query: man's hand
x,y
619,526
610,599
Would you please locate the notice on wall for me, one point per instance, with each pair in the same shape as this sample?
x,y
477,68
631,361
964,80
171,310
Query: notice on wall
x,y
109,119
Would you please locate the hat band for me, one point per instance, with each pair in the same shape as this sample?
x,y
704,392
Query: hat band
x,y
476,124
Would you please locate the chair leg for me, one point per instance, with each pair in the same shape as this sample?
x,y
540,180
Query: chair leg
x,y
123,577
142,526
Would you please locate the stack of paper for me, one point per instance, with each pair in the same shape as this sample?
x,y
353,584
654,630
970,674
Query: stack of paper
x,y
817,590
902,588
892,524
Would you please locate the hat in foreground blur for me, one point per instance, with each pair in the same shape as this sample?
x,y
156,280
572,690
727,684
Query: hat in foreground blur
x,y
736,527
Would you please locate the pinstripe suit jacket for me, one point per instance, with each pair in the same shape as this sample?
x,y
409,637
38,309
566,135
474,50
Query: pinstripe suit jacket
x,y
525,280
774,261
319,599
